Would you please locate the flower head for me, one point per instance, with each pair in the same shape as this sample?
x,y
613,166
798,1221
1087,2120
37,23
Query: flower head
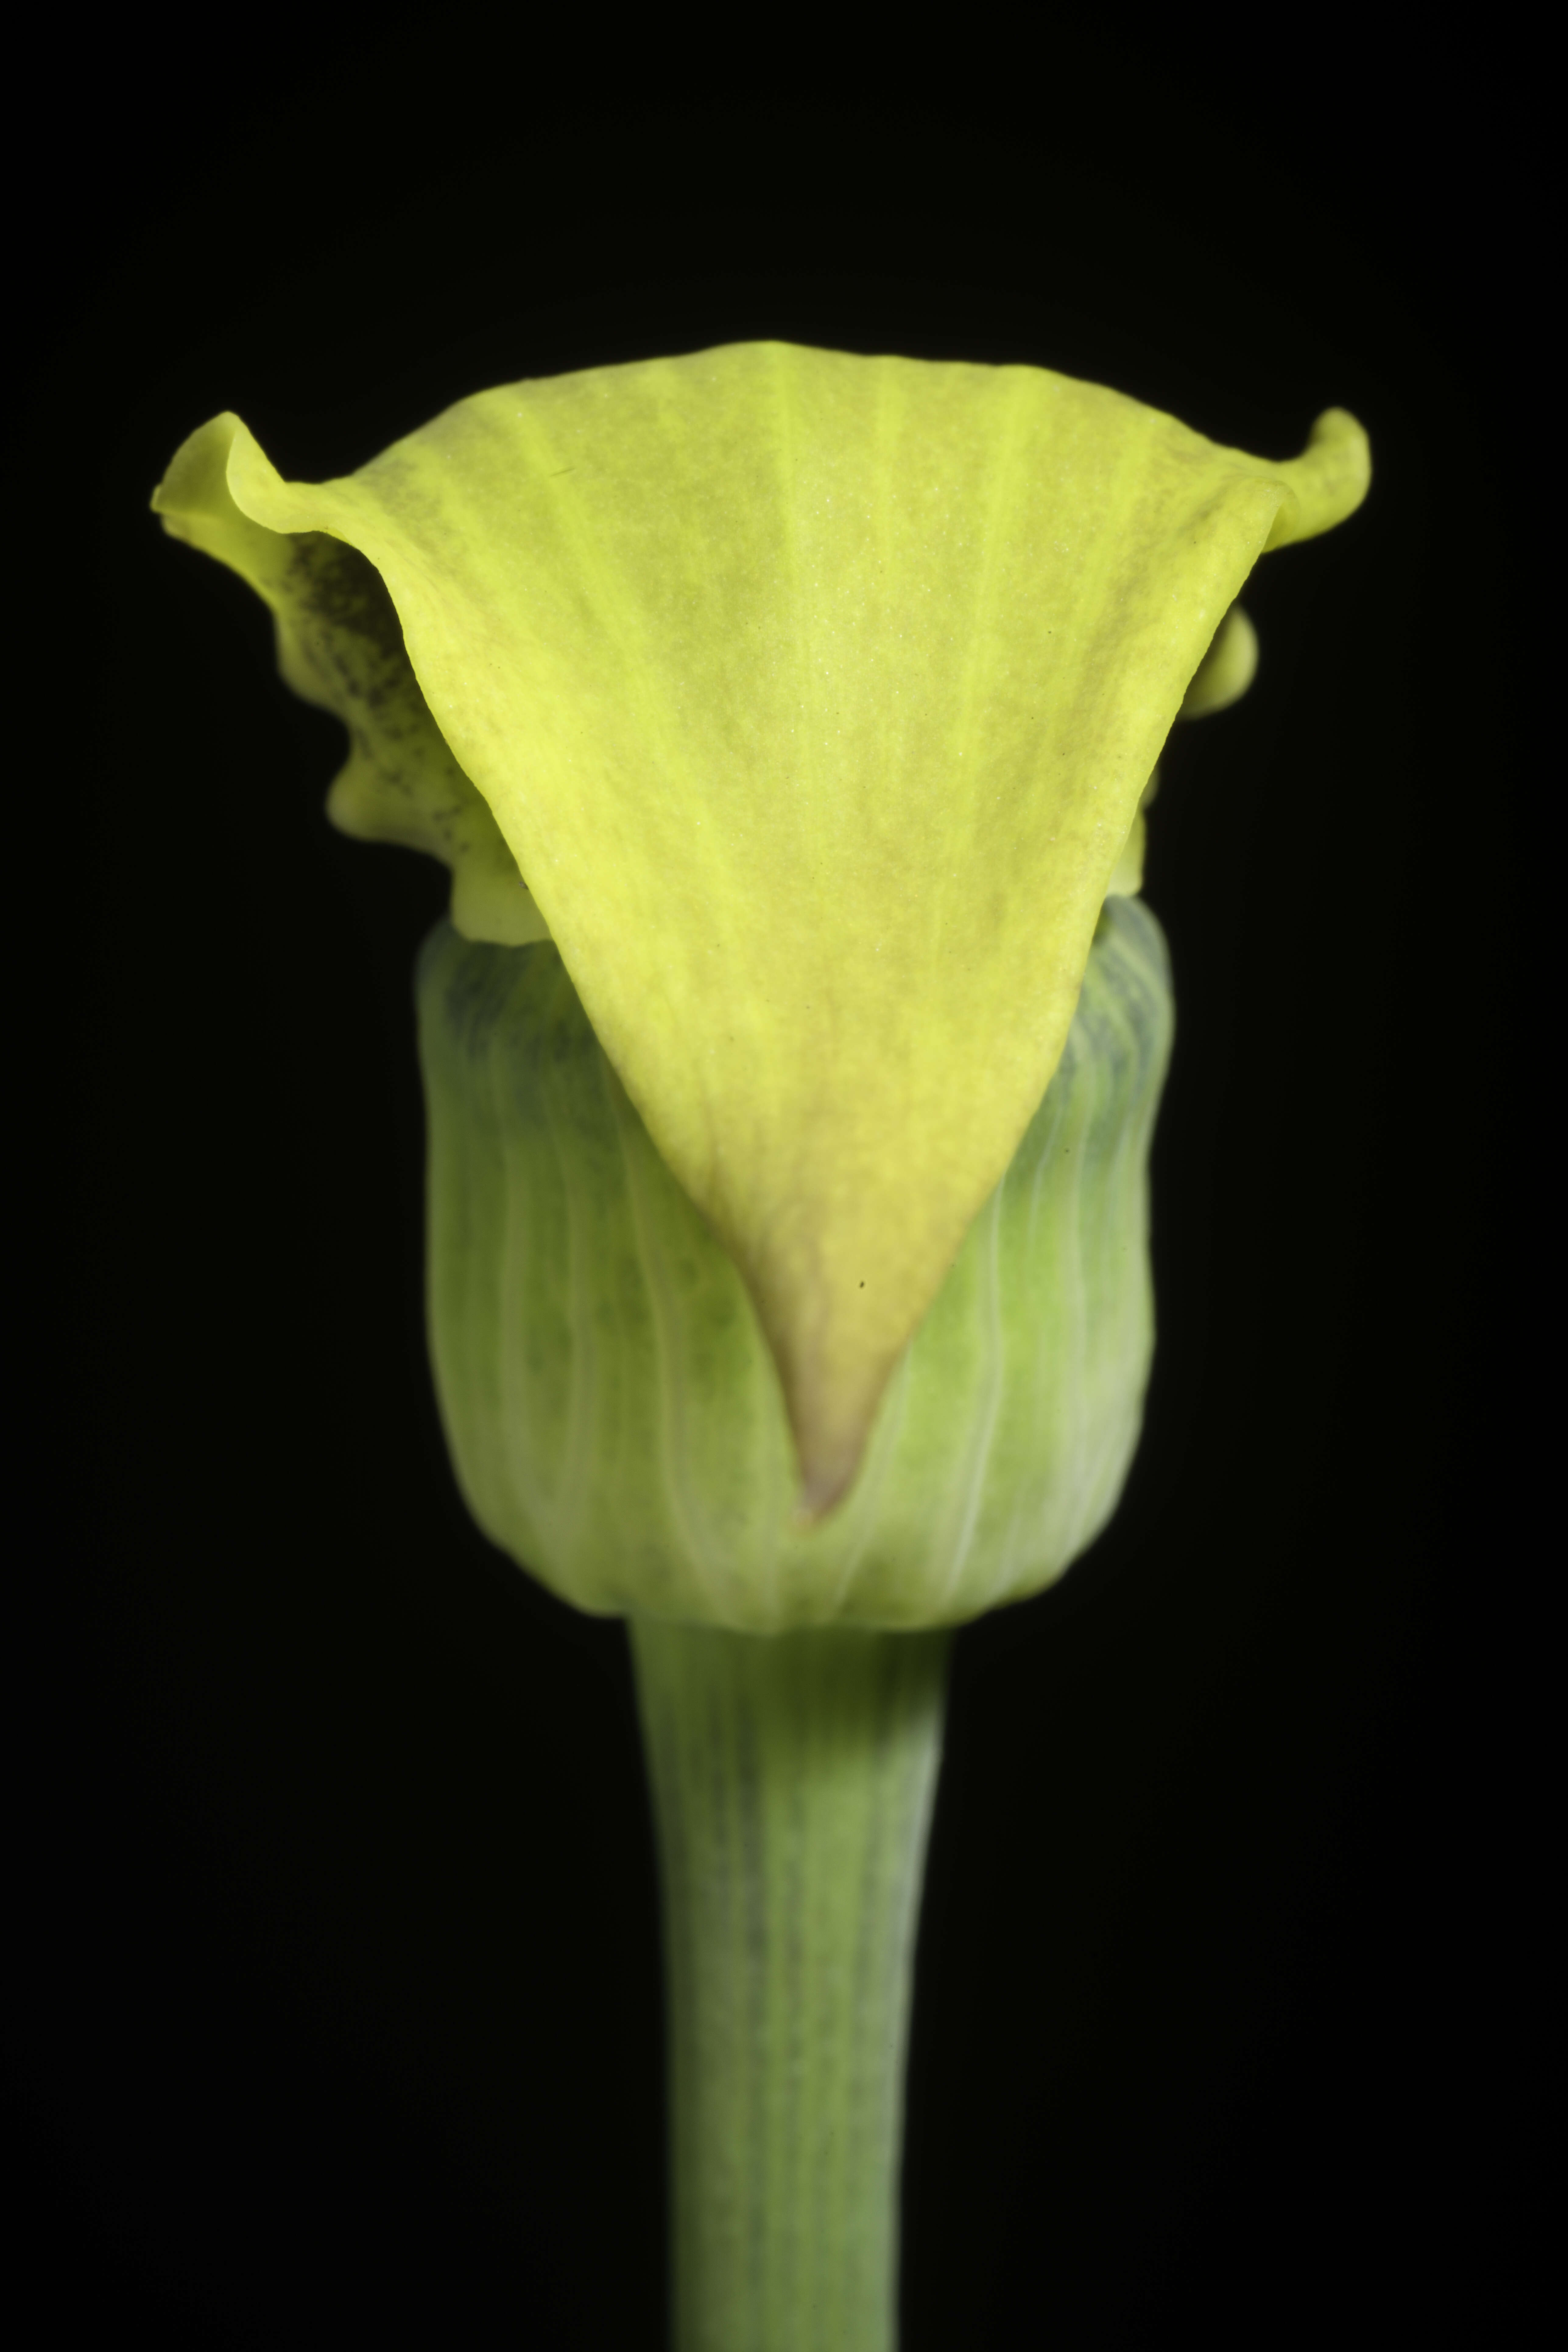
x,y
807,701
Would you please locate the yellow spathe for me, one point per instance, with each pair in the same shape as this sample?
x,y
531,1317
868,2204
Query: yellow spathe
x,y
813,696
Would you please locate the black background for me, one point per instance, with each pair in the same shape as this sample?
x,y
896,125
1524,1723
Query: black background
x,y
334,2010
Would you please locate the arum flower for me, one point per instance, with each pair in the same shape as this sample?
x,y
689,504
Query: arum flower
x,y
787,719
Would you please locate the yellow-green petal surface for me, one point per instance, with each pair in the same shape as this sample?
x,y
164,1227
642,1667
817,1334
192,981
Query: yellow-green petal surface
x,y
813,695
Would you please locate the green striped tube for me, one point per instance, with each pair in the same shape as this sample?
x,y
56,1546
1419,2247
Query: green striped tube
x,y
616,1425
613,1413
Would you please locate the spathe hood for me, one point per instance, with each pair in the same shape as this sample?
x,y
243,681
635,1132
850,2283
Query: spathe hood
x,y
812,698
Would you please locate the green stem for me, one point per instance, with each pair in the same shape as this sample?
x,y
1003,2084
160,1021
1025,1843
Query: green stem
x,y
791,1778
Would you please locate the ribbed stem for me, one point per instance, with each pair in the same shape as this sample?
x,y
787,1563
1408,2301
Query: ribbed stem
x,y
791,1778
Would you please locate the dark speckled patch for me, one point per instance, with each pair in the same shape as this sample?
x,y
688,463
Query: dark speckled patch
x,y
341,644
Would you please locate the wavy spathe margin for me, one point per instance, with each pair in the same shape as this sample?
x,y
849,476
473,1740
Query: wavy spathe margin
x,y
813,696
